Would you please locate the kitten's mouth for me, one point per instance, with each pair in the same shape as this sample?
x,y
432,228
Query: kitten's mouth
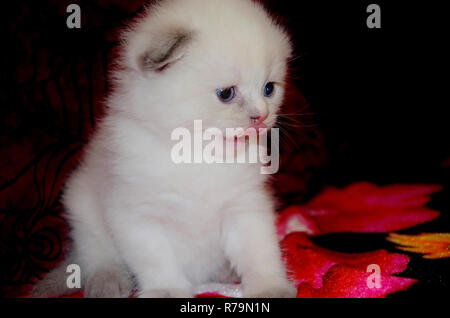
x,y
257,128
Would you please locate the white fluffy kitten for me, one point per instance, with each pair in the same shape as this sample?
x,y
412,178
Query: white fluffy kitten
x,y
133,212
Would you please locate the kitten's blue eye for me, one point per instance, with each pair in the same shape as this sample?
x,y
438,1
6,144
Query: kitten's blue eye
x,y
226,95
268,90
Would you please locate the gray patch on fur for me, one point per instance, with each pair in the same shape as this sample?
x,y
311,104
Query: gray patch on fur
x,y
108,284
54,284
156,58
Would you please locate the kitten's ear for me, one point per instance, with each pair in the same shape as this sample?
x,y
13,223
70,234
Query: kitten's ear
x,y
164,50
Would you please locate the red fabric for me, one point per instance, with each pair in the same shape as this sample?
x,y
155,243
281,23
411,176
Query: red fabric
x,y
322,273
361,208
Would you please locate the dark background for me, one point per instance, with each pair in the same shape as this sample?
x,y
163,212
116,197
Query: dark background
x,y
379,99
381,95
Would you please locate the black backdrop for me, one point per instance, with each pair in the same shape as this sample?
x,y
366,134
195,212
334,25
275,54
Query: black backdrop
x,y
381,94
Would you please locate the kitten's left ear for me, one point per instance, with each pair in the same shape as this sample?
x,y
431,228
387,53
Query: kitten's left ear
x,y
153,49
164,50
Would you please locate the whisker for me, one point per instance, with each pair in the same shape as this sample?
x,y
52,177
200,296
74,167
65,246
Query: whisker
x,y
285,132
293,120
297,57
298,114
289,120
301,125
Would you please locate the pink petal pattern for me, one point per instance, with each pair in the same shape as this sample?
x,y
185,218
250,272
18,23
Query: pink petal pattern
x,y
361,208
319,272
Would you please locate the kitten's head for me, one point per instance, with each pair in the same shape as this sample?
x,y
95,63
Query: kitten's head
x,y
223,62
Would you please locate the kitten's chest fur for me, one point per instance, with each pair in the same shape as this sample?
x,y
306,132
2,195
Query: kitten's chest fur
x,y
191,204
189,201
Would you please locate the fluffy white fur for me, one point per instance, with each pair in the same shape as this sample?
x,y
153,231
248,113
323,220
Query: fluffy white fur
x,y
174,227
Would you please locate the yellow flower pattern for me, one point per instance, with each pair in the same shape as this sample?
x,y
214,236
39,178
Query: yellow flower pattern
x,y
432,245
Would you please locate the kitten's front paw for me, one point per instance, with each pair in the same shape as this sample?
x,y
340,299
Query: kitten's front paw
x,y
166,293
276,291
